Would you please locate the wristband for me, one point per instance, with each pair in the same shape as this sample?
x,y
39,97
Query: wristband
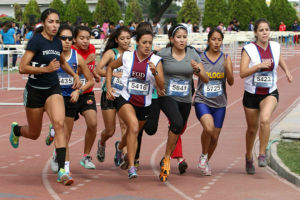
x,y
155,73
80,91
198,70
76,75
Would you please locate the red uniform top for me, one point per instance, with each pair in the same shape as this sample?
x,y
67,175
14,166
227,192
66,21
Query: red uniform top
x,y
85,54
282,27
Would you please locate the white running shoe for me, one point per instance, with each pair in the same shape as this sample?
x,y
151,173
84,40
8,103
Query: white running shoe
x,y
86,162
202,162
54,163
207,171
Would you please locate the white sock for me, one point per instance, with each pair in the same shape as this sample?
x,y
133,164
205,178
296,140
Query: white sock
x,y
67,166
52,132
204,156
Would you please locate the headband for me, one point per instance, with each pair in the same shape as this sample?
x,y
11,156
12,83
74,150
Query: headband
x,y
178,27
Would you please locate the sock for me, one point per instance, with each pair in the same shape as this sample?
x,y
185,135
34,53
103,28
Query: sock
x,y
17,131
52,132
67,166
204,156
85,155
61,157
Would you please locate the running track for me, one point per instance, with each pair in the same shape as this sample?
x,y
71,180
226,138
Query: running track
x,y
25,172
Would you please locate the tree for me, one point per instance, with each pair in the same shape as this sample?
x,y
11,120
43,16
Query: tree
x,y
214,13
281,10
78,9
189,11
107,10
260,6
133,12
60,7
157,9
31,10
18,12
243,10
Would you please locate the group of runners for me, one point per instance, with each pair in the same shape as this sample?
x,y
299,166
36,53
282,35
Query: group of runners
x,y
139,82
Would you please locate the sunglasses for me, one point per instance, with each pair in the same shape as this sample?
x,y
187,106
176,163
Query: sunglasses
x,y
64,38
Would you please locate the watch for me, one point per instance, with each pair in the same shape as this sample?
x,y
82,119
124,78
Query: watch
x,y
80,91
155,73
198,70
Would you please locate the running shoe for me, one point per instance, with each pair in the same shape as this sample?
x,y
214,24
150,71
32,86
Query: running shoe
x,y
100,152
118,155
250,169
165,169
50,138
132,172
262,161
64,177
125,162
202,162
87,163
207,171
13,139
54,163
182,166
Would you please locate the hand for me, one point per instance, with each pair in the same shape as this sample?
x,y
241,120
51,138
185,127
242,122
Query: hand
x,y
90,58
194,65
265,64
118,74
97,78
74,96
152,67
289,76
53,66
161,92
110,93
77,83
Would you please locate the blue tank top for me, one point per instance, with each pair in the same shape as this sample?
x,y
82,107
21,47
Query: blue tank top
x,y
65,80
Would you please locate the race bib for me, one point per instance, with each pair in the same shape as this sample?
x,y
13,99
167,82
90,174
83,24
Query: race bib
x,y
83,81
116,83
66,81
138,87
178,88
213,89
263,79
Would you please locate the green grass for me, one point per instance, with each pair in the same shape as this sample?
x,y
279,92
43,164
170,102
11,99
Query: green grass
x,y
289,153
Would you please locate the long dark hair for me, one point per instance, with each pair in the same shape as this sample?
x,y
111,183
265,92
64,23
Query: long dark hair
x,y
111,42
6,26
210,34
44,16
143,31
172,32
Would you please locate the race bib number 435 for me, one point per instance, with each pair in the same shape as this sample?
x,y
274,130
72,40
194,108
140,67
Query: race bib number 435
x,y
64,81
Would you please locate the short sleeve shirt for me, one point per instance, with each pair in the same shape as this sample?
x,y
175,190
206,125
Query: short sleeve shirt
x,y
8,37
180,70
44,52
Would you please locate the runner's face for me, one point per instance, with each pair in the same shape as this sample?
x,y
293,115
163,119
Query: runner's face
x,y
263,32
123,40
145,44
64,36
51,24
180,39
82,40
215,41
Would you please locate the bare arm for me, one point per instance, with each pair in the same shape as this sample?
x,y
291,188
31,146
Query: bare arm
x,y
113,65
229,71
83,68
199,71
26,68
244,66
106,59
284,67
158,74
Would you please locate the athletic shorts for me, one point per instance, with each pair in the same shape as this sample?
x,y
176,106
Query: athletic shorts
x,y
107,104
70,108
86,102
218,114
36,98
253,100
142,113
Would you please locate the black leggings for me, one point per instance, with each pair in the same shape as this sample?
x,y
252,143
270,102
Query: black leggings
x,y
151,124
176,112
